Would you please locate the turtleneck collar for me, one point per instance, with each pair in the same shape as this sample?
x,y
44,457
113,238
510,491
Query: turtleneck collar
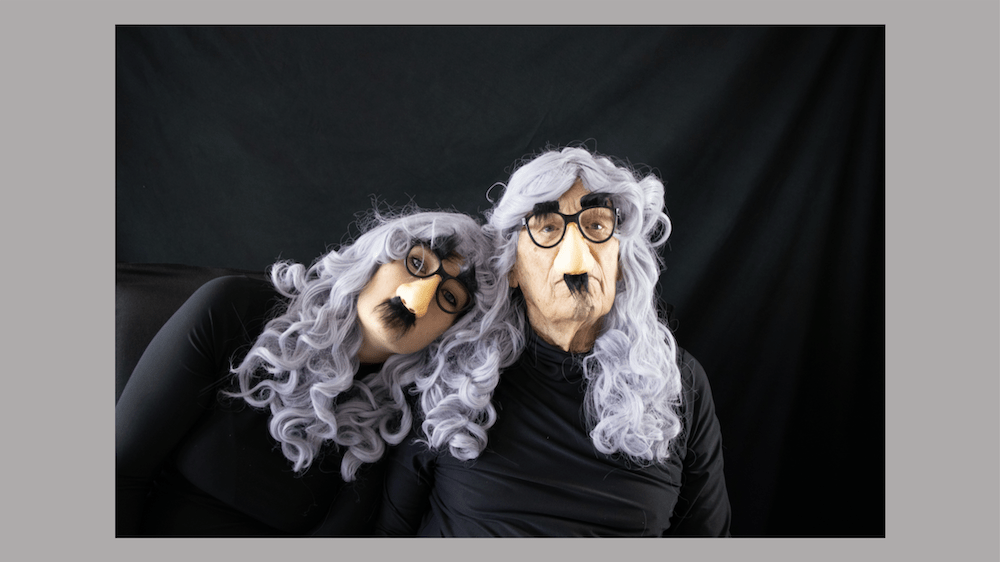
x,y
547,361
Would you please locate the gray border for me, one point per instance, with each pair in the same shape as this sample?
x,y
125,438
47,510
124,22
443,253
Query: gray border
x,y
941,263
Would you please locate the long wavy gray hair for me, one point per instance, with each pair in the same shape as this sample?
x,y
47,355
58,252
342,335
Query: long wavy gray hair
x,y
302,366
633,381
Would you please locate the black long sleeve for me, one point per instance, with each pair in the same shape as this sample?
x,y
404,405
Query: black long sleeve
x,y
541,476
175,383
703,502
190,462
408,482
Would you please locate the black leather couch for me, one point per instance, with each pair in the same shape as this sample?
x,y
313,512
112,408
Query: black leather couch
x,y
146,295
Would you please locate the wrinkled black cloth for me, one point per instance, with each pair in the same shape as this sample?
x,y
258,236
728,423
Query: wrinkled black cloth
x,y
190,462
540,474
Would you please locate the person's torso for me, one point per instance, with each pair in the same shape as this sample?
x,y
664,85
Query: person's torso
x,y
228,476
540,473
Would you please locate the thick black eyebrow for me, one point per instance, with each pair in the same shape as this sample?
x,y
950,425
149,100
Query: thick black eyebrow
x,y
546,207
443,246
598,199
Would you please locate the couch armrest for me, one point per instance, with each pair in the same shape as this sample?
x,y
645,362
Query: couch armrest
x,y
146,295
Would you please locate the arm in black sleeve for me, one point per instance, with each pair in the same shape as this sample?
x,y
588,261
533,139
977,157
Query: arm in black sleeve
x,y
703,504
352,513
408,481
173,384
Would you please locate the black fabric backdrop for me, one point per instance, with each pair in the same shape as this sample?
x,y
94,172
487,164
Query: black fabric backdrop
x,y
238,146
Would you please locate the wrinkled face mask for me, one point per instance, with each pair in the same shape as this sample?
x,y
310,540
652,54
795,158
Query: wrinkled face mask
x,y
567,263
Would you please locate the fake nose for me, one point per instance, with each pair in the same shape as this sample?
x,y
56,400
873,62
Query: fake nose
x,y
574,255
417,295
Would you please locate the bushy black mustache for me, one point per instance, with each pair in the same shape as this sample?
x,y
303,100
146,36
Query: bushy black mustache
x,y
577,284
396,316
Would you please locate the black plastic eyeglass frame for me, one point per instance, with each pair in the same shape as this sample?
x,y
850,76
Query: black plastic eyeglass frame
x,y
445,276
567,220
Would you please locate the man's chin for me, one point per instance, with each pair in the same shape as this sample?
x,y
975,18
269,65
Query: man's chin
x,y
583,308
570,307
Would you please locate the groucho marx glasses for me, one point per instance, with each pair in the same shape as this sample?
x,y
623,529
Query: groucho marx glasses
x,y
547,229
452,295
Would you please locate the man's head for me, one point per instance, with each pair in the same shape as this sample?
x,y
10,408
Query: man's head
x,y
575,237
571,227
569,284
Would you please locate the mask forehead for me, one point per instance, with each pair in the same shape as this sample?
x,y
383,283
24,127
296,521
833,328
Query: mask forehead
x,y
587,201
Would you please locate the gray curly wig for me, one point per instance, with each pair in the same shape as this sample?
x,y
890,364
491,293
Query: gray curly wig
x,y
302,366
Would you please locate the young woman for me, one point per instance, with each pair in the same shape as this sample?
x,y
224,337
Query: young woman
x,y
262,408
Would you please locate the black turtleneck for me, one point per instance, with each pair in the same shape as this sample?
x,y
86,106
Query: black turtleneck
x,y
540,474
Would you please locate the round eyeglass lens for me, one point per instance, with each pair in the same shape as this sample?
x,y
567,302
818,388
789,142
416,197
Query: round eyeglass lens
x,y
452,296
597,223
422,261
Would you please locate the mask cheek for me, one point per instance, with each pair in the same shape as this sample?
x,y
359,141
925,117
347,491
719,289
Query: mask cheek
x,y
512,278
